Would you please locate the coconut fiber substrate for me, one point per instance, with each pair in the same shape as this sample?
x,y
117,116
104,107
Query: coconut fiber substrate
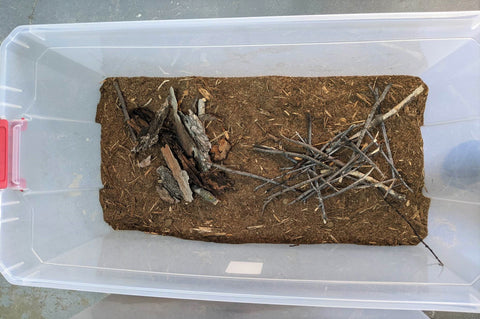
x,y
257,125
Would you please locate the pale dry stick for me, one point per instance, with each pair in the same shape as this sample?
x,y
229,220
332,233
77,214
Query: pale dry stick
x,y
383,117
161,84
399,106
377,184
124,110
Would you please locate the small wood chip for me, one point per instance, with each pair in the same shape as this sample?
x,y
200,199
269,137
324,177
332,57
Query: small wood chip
x,y
220,150
205,94
146,162
255,227
165,196
364,99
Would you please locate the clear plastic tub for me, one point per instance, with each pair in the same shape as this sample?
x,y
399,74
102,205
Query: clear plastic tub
x,y
53,235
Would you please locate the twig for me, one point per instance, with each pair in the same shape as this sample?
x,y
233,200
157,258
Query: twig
x,y
316,151
372,114
309,129
387,146
361,176
413,229
294,187
293,170
124,110
395,171
355,149
229,170
270,150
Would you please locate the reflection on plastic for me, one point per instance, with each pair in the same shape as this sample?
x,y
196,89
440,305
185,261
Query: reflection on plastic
x,y
123,307
461,166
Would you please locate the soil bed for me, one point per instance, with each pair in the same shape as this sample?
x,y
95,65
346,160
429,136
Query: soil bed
x,y
257,110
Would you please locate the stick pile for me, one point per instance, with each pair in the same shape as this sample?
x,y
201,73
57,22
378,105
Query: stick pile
x,y
321,172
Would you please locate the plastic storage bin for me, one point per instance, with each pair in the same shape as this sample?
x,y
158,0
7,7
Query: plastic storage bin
x,y
52,233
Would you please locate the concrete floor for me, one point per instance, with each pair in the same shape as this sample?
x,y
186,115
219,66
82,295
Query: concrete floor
x,y
23,302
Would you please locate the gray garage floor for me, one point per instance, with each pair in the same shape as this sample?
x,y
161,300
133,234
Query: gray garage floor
x,y
23,302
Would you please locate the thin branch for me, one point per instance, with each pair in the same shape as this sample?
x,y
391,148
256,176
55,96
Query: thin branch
x,y
124,110
413,228
229,170
372,114
270,150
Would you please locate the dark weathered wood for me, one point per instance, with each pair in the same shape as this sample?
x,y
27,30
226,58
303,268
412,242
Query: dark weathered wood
x,y
151,138
164,195
167,181
124,110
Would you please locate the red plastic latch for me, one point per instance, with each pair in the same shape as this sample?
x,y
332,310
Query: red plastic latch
x,y
3,154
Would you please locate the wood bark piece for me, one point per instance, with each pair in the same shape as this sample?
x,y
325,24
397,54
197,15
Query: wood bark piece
x,y
220,150
151,138
202,143
164,195
184,138
167,181
201,107
180,175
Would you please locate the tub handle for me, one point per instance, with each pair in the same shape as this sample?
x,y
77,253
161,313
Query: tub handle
x,y
3,153
15,131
